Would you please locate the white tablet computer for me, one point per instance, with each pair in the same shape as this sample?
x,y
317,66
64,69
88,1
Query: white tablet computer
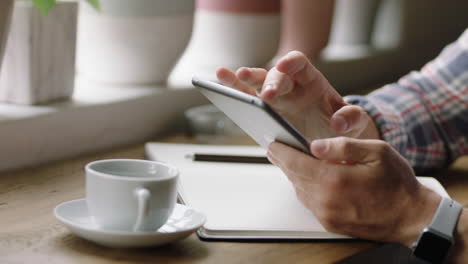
x,y
252,115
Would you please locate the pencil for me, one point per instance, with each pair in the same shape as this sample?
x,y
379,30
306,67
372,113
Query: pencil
x,y
229,158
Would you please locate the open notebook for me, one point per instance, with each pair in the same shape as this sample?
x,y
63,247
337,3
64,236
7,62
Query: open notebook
x,y
243,201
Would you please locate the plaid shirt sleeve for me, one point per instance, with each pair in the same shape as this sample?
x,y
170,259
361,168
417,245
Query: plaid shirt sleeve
x,y
425,114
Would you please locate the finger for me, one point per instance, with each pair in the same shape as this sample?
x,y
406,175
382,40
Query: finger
x,y
229,78
298,66
349,149
350,120
292,162
272,159
276,84
252,76
310,174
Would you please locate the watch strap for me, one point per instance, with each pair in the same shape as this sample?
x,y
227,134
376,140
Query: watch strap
x,y
446,217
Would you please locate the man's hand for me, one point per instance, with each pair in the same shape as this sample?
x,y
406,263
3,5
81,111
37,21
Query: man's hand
x,y
303,96
361,188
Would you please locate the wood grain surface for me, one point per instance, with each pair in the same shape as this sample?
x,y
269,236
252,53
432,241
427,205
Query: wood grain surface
x,y
29,233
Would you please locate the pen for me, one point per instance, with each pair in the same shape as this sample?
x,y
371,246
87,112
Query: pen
x,y
229,158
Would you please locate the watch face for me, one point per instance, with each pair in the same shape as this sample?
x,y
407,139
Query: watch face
x,y
432,248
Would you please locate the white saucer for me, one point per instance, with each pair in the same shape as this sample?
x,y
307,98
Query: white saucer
x,y
74,215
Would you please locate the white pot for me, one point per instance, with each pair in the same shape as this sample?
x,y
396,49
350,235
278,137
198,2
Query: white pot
x,y
39,63
353,22
227,39
137,41
5,16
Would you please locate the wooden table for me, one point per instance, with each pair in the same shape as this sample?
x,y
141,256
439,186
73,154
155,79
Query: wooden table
x,y
29,233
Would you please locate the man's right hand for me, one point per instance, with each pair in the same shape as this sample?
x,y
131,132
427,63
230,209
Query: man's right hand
x,y
360,188
302,95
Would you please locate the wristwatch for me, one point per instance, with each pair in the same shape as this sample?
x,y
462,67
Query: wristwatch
x,y
436,239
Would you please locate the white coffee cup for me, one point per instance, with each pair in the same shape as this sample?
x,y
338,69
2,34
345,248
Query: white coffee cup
x,y
130,195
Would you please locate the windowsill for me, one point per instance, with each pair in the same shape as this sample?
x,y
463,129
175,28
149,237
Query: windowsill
x,y
101,116
98,117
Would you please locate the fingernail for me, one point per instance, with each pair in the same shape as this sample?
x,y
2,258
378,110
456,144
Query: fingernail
x,y
243,74
268,87
341,123
319,146
270,157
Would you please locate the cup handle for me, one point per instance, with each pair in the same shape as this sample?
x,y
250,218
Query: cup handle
x,y
143,195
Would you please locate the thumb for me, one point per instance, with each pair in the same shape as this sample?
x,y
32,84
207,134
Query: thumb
x,y
349,120
349,149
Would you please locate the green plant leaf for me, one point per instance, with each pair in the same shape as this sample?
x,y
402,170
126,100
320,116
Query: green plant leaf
x,y
44,5
95,4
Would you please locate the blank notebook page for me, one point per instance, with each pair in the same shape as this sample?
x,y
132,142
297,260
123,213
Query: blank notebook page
x,y
238,196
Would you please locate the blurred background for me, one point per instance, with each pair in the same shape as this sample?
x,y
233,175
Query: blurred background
x,y
108,73
358,44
